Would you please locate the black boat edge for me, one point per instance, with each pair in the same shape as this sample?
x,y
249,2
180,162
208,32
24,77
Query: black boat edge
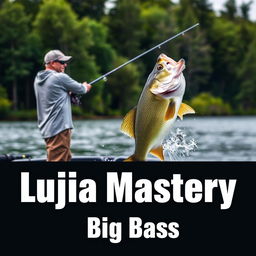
x,y
29,158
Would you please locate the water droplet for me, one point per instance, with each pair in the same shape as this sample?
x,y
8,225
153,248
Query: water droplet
x,y
105,79
177,146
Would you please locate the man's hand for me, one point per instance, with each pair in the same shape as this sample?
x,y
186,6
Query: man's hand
x,y
88,86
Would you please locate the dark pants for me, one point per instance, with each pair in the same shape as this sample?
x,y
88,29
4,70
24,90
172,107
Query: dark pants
x,y
58,147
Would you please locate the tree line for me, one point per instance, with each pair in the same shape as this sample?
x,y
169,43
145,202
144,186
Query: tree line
x,y
220,54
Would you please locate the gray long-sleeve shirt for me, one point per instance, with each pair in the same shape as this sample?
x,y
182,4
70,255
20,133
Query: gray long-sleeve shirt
x,y
53,101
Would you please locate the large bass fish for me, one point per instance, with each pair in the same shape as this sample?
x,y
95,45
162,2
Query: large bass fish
x,y
159,105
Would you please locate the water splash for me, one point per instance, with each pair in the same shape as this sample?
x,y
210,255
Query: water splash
x,y
178,146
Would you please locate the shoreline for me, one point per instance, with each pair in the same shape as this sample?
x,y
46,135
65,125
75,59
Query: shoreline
x,y
116,117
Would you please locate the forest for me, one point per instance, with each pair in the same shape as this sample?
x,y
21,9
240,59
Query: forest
x,y
220,54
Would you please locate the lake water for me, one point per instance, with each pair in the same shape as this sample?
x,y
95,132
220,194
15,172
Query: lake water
x,y
217,138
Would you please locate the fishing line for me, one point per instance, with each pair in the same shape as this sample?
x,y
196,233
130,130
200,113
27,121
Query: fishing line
x,y
76,98
142,54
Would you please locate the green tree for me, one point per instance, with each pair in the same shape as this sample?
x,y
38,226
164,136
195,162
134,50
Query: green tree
x,y
1,2
5,103
59,28
101,49
31,6
226,44
158,24
195,49
186,15
104,57
123,87
91,8
15,48
206,104
245,36
245,8
230,10
159,3
204,12
247,78
125,27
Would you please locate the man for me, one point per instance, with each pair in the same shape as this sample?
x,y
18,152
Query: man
x,y
52,90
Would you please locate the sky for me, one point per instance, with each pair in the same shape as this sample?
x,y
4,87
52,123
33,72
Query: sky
x,y
218,5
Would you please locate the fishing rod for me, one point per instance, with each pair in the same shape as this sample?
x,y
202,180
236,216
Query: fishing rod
x,y
76,99
142,54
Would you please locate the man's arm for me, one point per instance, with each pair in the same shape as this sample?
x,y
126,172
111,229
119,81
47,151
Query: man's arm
x,y
73,86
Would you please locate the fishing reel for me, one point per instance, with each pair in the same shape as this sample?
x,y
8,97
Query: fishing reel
x,y
75,99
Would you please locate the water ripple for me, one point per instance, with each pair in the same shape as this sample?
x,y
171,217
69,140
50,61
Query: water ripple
x,y
217,138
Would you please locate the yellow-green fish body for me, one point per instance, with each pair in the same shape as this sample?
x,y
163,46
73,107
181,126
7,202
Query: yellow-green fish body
x,y
159,104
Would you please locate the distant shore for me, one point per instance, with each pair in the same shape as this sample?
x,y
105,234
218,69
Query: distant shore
x,y
106,117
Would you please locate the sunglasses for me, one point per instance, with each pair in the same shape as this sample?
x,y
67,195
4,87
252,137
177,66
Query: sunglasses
x,y
61,62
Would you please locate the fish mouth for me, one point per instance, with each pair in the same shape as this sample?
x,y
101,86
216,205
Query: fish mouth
x,y
169,91
170,79
166,87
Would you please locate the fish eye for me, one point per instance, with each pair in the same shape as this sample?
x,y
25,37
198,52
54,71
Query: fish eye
x,y
159,67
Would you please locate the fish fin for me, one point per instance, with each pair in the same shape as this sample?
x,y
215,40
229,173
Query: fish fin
x,y
128,123
170,112
158,152
130,159
185,109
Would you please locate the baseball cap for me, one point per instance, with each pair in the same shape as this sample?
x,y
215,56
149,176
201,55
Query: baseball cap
x,y
54,55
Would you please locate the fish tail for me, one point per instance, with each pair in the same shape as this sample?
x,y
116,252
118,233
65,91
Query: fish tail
x,y
131,158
